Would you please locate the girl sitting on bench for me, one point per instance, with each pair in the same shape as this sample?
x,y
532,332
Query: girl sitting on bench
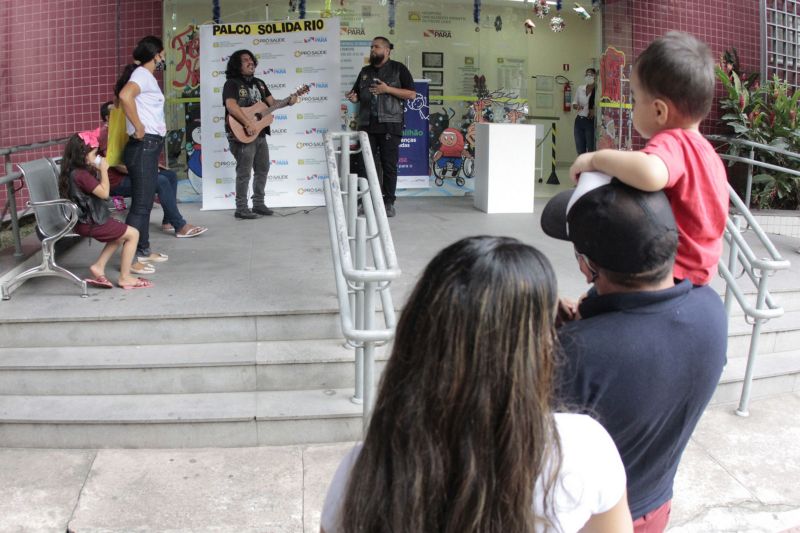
x,y
84,180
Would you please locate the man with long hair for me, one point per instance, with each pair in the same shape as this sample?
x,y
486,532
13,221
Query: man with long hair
x,y
642,353
243,89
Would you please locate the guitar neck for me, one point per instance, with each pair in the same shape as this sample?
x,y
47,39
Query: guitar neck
x,y
279,104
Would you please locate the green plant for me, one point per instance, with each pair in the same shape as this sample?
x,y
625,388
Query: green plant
x,y
766,114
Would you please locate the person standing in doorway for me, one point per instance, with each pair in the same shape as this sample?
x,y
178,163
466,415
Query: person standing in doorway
x,y
381,88
242,89
584,105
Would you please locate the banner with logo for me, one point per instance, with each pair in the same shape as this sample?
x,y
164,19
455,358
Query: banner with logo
x,y
290,54
412,170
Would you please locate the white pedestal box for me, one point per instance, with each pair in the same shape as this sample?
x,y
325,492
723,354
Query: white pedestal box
x,y
505,166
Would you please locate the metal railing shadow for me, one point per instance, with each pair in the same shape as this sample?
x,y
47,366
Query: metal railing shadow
x,y
741,255
364,258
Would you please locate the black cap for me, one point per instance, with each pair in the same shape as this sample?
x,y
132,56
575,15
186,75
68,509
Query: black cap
x,y
620,228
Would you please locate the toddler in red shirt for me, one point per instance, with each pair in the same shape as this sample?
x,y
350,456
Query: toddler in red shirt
x,y
673,86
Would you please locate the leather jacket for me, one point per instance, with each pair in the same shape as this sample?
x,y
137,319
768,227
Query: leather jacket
x,y
390,108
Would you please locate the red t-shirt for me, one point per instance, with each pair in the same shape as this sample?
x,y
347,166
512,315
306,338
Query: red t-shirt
x,y
698,193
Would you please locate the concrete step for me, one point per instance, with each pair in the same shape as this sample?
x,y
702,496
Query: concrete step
x,y
223,419
789,299
126,331
773,373
777,335
180,368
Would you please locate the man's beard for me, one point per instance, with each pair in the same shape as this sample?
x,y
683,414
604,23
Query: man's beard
x,y
375,59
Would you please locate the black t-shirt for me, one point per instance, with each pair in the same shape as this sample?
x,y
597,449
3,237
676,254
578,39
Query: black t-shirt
x,y
246,92
383,73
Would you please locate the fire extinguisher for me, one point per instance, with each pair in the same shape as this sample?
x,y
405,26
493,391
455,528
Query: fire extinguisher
x,y
567,97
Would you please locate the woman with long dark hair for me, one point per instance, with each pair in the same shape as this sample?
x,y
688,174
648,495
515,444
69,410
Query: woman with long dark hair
x,y
143,103
463,437
84,180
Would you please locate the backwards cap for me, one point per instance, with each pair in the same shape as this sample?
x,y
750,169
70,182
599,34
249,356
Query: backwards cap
x,y
620,228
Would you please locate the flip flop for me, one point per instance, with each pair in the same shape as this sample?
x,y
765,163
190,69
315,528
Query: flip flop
x,y
155,257
194,231
141,283
101,282
167,228
146,268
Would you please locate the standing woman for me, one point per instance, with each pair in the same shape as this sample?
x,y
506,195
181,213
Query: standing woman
x,y
584,105
143,103
463,438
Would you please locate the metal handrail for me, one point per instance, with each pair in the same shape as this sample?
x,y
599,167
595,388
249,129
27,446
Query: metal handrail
x,y
352,237
758,270
10,177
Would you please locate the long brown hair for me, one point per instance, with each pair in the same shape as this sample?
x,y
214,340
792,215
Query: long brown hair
x,y
462,427
75,152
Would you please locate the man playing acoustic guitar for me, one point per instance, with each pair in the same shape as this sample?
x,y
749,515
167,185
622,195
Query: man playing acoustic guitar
x,y
242,89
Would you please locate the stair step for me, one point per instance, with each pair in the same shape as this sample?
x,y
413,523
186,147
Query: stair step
x,y
777,335
774,373
179,369
179,420
124,331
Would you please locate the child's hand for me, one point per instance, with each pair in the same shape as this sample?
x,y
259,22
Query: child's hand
x,y
582,164
567,311
103,166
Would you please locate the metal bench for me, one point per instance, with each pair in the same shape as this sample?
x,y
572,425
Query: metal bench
x,y
55,219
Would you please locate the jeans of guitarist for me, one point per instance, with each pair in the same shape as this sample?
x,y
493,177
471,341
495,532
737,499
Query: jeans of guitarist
x,y
250,156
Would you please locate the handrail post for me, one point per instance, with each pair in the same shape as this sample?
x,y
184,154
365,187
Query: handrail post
x,y
369,353
749,189
744,399
11,202
360,264
732,256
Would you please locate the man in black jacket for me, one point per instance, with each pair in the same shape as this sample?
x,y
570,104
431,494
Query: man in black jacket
x,y
381,88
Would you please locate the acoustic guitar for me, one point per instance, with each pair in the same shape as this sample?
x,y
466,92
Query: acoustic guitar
x,y
261,115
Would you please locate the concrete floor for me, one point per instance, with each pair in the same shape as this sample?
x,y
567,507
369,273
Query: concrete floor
x,y
738,475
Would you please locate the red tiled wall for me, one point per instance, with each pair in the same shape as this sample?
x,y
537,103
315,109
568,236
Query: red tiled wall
x,y
59,62
631,25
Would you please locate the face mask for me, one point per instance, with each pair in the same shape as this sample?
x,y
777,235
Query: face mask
x,y
161,65
589,80
97,160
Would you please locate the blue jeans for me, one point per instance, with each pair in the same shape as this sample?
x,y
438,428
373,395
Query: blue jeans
x,y
167,190
250,157
584,134
141,158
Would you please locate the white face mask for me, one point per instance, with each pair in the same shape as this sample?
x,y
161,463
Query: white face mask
x,y
589,80
97,160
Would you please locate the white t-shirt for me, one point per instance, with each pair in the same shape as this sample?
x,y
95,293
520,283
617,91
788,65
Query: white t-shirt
x,y
591,480
582,99
149,103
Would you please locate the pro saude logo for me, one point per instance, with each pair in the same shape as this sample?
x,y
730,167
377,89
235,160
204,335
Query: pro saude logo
x,y
278,131
273,86
303,190
310,144
315,99
310,53
278,177
269,40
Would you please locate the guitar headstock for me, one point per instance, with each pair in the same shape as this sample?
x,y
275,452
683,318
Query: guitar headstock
x,y
301,90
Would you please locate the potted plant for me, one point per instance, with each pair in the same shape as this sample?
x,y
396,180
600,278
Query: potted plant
x,y
766,114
